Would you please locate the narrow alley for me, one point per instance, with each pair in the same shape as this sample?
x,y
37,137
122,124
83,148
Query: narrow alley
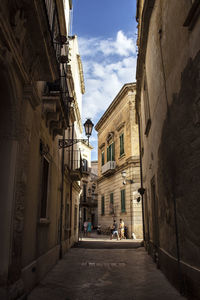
x,y
102,269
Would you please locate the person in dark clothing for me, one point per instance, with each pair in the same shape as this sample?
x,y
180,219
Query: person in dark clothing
x,y
114,230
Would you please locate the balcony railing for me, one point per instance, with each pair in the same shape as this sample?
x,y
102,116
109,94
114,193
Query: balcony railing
x,y
73,162
108,168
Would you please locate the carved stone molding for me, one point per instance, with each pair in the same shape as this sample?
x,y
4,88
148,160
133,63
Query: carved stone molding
x,y
31,94
121,125
49,105
110,136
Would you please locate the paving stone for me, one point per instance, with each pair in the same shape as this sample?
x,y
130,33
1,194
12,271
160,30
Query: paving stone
x,y
105,273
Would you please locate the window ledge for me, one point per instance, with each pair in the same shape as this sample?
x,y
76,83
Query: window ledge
x,y
122,156
44,221
124,212
193,15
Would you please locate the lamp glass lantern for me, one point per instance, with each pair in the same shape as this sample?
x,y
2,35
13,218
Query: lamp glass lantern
x,y
88,125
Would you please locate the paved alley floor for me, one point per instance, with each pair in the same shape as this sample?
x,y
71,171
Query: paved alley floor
x,y
101,269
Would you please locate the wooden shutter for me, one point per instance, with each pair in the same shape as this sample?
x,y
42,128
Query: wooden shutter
x,y
111,203
102,205
123,205
108,154
113,151
102,158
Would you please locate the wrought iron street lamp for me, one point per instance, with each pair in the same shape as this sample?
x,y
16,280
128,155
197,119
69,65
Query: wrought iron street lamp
x,y
88,125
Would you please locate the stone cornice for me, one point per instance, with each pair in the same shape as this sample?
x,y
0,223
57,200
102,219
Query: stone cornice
x,y
81,74
121,125
62,23
102,145
143,31
115,102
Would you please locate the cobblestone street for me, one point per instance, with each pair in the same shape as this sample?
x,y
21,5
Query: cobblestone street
x,y
104,269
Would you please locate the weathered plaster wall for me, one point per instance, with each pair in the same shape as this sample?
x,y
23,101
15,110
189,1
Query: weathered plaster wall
x,y
171,148
179,156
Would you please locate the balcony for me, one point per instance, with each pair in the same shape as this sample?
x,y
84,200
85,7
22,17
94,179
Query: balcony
x,y
88,202
74,164
40,45
108,168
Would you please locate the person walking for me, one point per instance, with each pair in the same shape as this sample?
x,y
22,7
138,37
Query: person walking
x,y
114,230
89,227
85,224
121,229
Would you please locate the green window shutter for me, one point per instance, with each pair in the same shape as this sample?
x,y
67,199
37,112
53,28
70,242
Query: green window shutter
x,y
111,204
121,144
108,156
102,158
113,151
102,205
123,204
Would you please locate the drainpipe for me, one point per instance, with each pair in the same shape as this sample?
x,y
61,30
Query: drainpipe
x,y
62,194
131,200
141,189
72,160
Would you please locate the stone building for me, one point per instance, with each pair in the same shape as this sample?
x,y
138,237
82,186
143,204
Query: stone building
x,y
118,150
40,100
167,104
88,198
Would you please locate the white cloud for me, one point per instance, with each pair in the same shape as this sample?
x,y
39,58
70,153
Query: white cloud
x,y
122,46
107,64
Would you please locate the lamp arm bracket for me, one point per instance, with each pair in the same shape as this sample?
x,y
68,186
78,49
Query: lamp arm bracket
x,y
64,143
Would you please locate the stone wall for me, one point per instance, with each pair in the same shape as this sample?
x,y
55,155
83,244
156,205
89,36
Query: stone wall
x,y
168,79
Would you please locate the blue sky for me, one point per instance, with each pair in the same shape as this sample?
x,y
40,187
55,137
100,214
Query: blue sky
x,y
106,31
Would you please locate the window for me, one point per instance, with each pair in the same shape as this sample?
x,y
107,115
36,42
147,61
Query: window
x,y
102,158
111,152
123,201
121,138
45,176
84,192
85,165
102,205
111,204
